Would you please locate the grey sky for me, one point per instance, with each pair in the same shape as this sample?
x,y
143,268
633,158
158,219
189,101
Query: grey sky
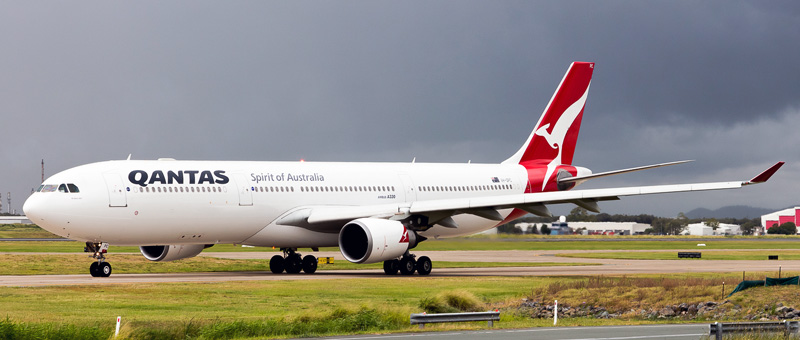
x,y
450,81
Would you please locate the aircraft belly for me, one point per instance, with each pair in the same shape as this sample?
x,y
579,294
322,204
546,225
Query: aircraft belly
x,y
182,225
467,225
283,236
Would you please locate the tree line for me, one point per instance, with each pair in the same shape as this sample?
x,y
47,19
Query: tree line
x,y
659,225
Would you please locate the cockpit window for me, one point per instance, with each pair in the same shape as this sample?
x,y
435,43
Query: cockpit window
x,y
72,188
40,188
49,188
62,188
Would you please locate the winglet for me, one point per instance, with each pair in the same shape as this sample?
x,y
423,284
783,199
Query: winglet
x,y
764,176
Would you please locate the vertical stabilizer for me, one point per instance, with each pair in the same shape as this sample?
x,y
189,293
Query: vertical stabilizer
x,y
552,141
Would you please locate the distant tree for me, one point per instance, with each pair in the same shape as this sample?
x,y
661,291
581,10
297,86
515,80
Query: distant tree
x,y
579,214
674,227
507,228
545,229
649,231
788,228
749,226
603,217
713,223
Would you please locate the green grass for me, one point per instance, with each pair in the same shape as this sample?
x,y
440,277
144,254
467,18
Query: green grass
x,y
754,255
238,301
24,231
460,244
295,308
77,247
34,264
633,244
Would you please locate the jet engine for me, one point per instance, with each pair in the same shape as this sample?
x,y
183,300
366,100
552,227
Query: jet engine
x,y
172,252
370,240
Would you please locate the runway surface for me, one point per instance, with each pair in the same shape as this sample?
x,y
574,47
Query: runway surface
x,y
591,267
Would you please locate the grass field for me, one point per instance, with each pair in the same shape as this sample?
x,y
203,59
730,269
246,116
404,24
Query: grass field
x,y
751,255
462,244
35,264
24,231
295,308
292,308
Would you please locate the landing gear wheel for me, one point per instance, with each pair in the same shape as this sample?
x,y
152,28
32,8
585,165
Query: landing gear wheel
x,y
309,264
424,265
94,269
104,269
276,264
294,263
101,268
407,266
391,267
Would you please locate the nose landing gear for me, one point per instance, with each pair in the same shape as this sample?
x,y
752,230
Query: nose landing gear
x,y
101,268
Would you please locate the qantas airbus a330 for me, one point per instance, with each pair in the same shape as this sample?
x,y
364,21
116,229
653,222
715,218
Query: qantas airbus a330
x,y
372,211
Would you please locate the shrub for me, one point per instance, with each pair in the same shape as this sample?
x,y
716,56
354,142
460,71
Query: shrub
x,y
452,302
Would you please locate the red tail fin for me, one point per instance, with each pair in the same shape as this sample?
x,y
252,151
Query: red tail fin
x,y
553,139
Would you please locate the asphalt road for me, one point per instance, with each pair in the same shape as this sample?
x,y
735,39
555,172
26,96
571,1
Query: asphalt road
x,y
677,332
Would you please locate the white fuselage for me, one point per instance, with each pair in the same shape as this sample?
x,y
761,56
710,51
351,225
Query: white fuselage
x,y
208,202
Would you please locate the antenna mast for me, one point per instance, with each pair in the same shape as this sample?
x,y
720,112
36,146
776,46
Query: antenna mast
x,y
42,170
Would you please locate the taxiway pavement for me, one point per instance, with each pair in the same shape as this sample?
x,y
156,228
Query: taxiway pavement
x,y
589,267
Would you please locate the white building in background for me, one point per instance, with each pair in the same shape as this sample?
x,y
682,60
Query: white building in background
x,y
780,217
701,229
610,228
14,220
594,228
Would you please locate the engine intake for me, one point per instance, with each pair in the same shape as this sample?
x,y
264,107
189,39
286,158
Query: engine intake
x,y
172,252
370,240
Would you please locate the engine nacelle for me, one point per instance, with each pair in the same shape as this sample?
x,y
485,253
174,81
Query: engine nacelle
x,y
370,240
172,252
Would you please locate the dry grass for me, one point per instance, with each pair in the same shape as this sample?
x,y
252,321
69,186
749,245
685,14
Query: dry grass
x,y
622,293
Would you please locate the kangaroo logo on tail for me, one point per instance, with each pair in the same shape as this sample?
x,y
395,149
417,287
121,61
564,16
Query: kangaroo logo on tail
x,y
552,141
556,137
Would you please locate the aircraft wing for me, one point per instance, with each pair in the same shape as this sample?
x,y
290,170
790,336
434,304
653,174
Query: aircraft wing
x,y
331,218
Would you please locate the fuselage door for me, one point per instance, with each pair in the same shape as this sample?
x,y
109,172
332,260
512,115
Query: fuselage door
x,y
245,191
408,188
116,191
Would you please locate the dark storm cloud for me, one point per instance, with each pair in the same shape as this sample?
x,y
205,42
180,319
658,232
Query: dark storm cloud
x,y
377,81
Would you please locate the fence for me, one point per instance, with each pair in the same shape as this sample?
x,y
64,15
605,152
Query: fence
x,y
717,329
424,318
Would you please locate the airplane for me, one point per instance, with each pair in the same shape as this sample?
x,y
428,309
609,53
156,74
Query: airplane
x,y
374,212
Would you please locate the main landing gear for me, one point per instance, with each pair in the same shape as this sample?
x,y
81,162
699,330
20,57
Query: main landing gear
x,y
101,268
406,265
292,262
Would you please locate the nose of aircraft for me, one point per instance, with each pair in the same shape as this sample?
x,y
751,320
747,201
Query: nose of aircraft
x,y
32,207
